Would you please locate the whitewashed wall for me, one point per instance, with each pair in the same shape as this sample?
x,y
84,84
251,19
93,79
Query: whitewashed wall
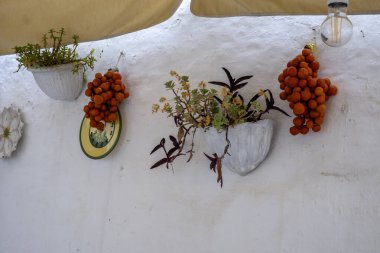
x,y
314,193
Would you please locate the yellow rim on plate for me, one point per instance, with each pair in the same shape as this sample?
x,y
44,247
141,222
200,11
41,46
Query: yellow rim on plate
x,y
98,144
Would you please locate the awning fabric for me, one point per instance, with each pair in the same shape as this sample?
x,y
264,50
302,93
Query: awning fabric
x,y
229,8
23,22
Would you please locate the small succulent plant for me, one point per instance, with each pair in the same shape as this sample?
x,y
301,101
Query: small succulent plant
x,y
36,55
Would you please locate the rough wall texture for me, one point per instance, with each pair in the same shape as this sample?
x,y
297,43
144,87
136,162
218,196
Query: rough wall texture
x,y
314,193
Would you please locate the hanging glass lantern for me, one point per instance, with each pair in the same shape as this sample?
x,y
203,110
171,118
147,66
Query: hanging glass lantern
x,y
336,30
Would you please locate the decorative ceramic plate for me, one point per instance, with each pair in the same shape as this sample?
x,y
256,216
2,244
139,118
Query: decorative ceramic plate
x,y
98,144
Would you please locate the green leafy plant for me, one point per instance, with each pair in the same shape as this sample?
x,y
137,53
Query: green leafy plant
x,y
202,108
36,55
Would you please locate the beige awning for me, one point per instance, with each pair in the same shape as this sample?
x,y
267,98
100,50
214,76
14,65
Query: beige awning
x,y
228,8
23,22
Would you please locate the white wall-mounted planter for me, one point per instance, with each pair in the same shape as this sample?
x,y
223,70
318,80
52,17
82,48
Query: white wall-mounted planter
x,y
59,82
250,143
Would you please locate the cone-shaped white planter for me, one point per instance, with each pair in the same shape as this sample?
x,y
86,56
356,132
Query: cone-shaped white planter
x,y
59,82
250,143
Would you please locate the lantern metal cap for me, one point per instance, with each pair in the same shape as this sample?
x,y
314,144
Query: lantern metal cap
x,y
337,3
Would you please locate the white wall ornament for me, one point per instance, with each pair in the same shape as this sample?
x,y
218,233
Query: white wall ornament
x,y
250,143
10,130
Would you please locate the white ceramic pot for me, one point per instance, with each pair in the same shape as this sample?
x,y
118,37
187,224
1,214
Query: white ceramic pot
x,y
59,82
250,143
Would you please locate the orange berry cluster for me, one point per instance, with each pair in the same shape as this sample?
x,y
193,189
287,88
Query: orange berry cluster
x,y
106,92
305,92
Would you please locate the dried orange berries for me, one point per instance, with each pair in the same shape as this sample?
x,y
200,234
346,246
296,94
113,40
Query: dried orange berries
x,y
305,92
299,109
106,92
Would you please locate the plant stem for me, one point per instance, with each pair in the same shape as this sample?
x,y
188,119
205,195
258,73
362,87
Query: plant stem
x,y
184,102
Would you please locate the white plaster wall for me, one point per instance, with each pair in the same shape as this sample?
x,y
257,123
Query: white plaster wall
x,y
314,193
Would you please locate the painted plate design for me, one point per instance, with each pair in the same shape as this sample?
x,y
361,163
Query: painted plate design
x,y
98,144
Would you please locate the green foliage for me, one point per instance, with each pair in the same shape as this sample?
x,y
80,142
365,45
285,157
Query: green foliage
x,y
36,55
192,107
